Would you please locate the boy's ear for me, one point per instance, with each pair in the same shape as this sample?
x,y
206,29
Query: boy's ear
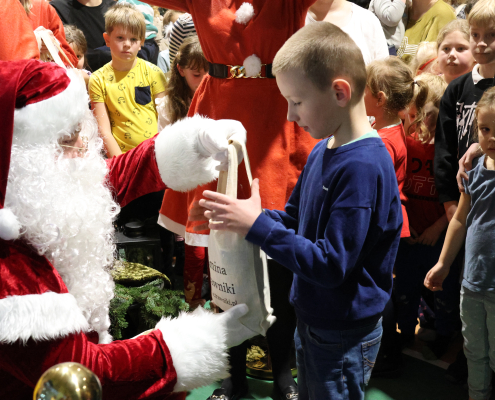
x,y
107,39
343,91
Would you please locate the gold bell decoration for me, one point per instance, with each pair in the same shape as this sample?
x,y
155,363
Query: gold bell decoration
x,y
68,381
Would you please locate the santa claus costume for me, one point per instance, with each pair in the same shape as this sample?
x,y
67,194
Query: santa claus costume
x,y
56,243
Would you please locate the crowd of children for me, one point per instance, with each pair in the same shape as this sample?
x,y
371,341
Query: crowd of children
x,y
359,233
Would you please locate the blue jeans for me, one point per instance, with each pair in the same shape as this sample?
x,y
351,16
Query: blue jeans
x,y
478,329
333,364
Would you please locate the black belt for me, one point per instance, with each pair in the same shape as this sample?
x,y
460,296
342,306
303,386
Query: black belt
x,y
237,71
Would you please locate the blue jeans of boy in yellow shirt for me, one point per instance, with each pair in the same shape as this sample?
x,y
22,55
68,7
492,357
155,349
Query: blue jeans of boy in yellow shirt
x,y
334,364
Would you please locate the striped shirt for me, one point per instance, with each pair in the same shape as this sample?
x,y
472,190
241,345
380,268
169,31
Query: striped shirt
x,y
182,29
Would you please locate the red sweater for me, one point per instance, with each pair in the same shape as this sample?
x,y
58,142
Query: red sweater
x,y
43,14
17,40
394,139
422,206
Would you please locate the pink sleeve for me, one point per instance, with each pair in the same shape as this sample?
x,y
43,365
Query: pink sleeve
x,y
135,173
127,369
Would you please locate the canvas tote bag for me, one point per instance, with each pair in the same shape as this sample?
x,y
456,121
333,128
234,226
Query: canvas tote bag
x,y
238,269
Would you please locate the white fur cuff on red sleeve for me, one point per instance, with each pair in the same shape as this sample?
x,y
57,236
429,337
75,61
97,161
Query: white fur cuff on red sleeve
x,y
197,344
181,165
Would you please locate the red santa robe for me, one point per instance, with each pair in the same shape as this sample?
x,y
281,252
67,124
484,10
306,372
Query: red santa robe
x,y
41,324
277,148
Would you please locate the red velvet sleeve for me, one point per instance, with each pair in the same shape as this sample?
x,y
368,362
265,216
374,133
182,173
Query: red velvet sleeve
x,y
135,173
138,368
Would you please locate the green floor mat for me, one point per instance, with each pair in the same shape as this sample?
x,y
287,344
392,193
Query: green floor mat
x,y
420,381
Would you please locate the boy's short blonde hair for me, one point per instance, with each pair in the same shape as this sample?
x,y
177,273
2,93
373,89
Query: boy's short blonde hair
x,y
323,52
127,16
483,14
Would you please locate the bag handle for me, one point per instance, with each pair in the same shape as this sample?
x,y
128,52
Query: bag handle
x,y
227,180
54,49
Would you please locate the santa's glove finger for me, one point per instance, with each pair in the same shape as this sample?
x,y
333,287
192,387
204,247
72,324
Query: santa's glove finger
x,y
236,332
213,140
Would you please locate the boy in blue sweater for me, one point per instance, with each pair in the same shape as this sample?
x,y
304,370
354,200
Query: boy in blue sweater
x,y
340,230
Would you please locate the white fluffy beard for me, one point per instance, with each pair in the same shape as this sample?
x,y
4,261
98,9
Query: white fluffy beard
x,y
66,212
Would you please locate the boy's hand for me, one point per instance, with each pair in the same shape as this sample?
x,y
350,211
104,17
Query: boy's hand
x,y
430,236
435,277
225,213
413,239
466,164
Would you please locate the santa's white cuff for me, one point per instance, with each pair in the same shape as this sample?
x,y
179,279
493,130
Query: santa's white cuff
x,y
44,316
182,167
197,344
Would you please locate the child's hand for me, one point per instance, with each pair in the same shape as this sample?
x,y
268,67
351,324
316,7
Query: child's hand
x,y
413,239
435,277
197,214
230,214
430,236
466,164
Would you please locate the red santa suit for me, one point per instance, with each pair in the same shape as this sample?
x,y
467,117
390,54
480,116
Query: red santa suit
x,y
41,322
230,32
242,33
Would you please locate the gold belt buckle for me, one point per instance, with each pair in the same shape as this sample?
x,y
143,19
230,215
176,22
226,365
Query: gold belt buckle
x,y
239,71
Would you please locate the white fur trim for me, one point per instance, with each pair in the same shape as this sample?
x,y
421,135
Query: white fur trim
x,y
9,225
104,337
196,239
58,115
244,13
252,65
197,343
180,163
40,317
172,226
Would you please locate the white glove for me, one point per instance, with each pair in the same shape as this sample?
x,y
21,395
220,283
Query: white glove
x,y
236,332
213,140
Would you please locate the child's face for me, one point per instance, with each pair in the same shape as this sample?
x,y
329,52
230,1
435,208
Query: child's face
x,y
371,103
482,42
486,131
313,110
193,77
124,46
79,54
454,56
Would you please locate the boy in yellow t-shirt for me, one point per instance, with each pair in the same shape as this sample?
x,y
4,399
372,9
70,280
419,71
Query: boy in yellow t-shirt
x,y
123,92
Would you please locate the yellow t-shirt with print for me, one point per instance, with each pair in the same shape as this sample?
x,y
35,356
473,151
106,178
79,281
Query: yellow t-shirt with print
x,y
130,100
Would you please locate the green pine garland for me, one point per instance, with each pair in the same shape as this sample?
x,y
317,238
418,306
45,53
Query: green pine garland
x,y
154,303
